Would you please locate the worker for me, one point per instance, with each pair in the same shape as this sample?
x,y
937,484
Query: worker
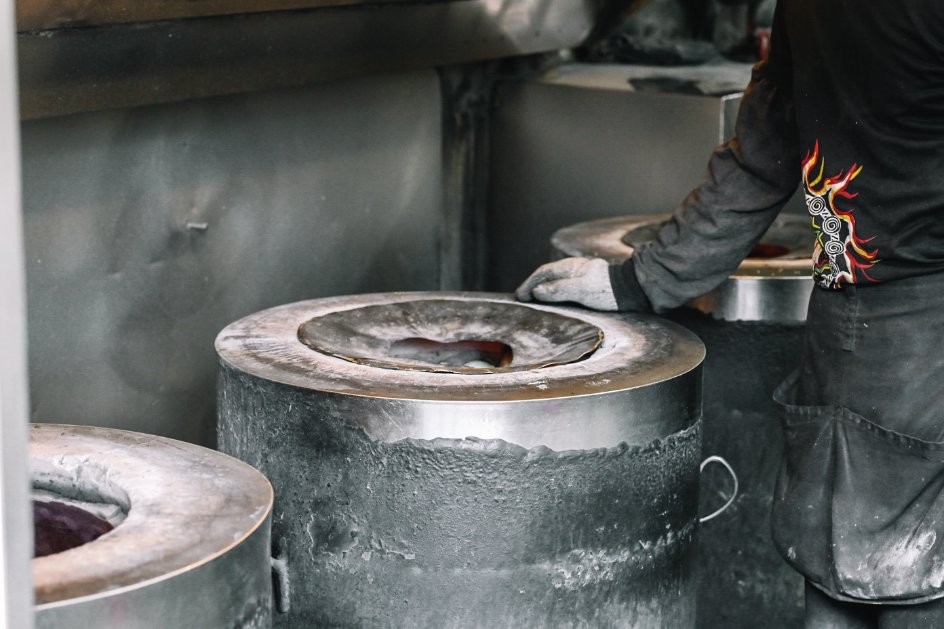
x,y
850,106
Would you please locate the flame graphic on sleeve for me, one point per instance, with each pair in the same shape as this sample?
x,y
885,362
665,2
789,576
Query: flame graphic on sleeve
x,y
840,255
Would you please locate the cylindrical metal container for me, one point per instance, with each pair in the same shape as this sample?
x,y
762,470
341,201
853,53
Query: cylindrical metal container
x,y
752,326
772,284
190,545
463,460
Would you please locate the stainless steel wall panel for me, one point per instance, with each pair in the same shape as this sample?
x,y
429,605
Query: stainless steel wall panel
x,y
149,229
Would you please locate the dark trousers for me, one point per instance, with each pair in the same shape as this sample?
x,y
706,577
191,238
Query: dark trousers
x,y
859,504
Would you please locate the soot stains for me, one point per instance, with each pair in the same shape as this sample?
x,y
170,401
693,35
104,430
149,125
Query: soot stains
x,y
465,532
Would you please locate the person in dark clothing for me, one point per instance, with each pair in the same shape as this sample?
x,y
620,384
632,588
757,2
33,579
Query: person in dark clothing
x,y
850,106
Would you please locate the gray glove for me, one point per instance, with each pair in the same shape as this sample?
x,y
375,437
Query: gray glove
x,y
585,281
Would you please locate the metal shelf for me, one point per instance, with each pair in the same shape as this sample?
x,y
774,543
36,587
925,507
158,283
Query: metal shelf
x,y
33,15
69,70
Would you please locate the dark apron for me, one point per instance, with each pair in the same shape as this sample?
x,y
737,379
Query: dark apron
x,y
859,504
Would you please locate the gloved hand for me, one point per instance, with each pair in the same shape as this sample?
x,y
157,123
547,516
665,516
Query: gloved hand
x,y
585,281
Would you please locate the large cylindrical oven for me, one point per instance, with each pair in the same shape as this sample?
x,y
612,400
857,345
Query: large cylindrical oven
x,y
752,326
463,460
135,531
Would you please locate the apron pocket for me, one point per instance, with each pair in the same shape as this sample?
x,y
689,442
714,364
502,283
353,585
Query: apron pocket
x,y
858,508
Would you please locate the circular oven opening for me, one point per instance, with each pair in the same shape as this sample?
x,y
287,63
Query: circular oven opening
x,y
75,507
452,336
455,354
59,526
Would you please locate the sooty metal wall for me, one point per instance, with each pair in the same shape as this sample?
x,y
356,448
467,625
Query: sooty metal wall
x,y
162,224
752,327
456,460
140,532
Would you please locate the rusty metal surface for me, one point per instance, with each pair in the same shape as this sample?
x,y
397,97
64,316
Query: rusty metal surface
x,y
82,69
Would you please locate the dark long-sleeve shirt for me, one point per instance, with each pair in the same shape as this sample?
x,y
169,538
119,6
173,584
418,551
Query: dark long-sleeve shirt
x,y
850,105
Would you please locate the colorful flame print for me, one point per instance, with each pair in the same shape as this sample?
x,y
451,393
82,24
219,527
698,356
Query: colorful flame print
x,y
840,256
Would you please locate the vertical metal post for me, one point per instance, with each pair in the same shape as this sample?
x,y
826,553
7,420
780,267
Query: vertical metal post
x,y
467,93
15,524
